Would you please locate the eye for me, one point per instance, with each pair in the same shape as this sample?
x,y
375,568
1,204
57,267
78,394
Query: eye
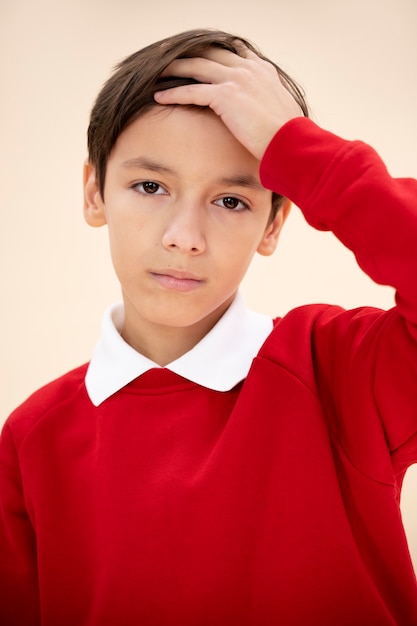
x,y
149,187
232,204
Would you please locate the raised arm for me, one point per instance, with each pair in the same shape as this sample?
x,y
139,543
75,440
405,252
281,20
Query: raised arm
x,y
364,361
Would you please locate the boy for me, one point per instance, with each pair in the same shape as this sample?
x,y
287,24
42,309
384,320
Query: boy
x,y
210,465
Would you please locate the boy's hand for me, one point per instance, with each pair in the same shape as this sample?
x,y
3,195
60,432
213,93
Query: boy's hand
x,y
246,93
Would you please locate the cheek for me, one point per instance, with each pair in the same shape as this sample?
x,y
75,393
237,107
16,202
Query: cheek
x,y
126,227
134,245
236,256
125,248
242,243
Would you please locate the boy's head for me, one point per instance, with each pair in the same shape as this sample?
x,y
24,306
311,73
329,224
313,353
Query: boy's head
x,y
129,93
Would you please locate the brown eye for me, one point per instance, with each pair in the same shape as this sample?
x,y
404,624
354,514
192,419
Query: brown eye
x,y
150,187
232,204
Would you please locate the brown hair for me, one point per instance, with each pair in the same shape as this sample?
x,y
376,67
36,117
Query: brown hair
x,y
129,92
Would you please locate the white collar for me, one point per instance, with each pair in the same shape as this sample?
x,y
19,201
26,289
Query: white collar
x,y
219,361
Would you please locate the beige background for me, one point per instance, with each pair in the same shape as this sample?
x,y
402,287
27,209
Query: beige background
x,y
357,60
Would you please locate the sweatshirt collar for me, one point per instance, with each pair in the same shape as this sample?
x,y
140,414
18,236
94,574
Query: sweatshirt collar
x,y
219,361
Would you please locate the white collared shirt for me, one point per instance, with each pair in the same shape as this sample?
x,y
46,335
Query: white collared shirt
x,y
219,361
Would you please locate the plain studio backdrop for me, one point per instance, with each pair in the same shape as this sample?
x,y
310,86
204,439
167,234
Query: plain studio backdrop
x,y
357,61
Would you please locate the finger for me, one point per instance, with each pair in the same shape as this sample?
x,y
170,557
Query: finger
x,y
224,57
231,59
249,54
202,69
199,94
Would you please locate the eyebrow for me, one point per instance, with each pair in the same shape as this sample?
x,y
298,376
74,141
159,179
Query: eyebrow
x,y
239,180
147,164
248,181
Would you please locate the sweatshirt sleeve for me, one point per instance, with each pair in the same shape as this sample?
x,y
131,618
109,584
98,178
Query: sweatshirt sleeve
x,y
19,601
365,361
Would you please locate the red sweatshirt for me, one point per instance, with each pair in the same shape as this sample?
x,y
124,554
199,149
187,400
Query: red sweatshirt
x,y
276,503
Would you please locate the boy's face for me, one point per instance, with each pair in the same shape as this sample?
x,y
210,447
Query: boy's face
x,y
186,213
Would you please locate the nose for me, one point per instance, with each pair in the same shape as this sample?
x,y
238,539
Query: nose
x,y
184,231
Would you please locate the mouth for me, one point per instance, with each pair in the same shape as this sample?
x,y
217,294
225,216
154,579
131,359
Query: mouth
x,y
177,280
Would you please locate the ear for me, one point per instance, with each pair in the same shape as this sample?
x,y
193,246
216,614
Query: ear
x,y
94,213
270,237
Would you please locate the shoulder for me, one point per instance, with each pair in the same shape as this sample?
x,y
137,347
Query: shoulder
x,y
298,325
303,323
53,397
309,334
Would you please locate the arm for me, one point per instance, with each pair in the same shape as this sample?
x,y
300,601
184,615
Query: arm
x,y
333,181
343,186
365,362
19,602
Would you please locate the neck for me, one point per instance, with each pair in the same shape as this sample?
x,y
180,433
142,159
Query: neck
x,y
163,346
163,343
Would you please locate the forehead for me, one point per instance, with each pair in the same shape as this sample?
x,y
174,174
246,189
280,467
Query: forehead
x,y
183,134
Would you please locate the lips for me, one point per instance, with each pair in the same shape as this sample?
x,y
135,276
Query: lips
x,y
177,280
